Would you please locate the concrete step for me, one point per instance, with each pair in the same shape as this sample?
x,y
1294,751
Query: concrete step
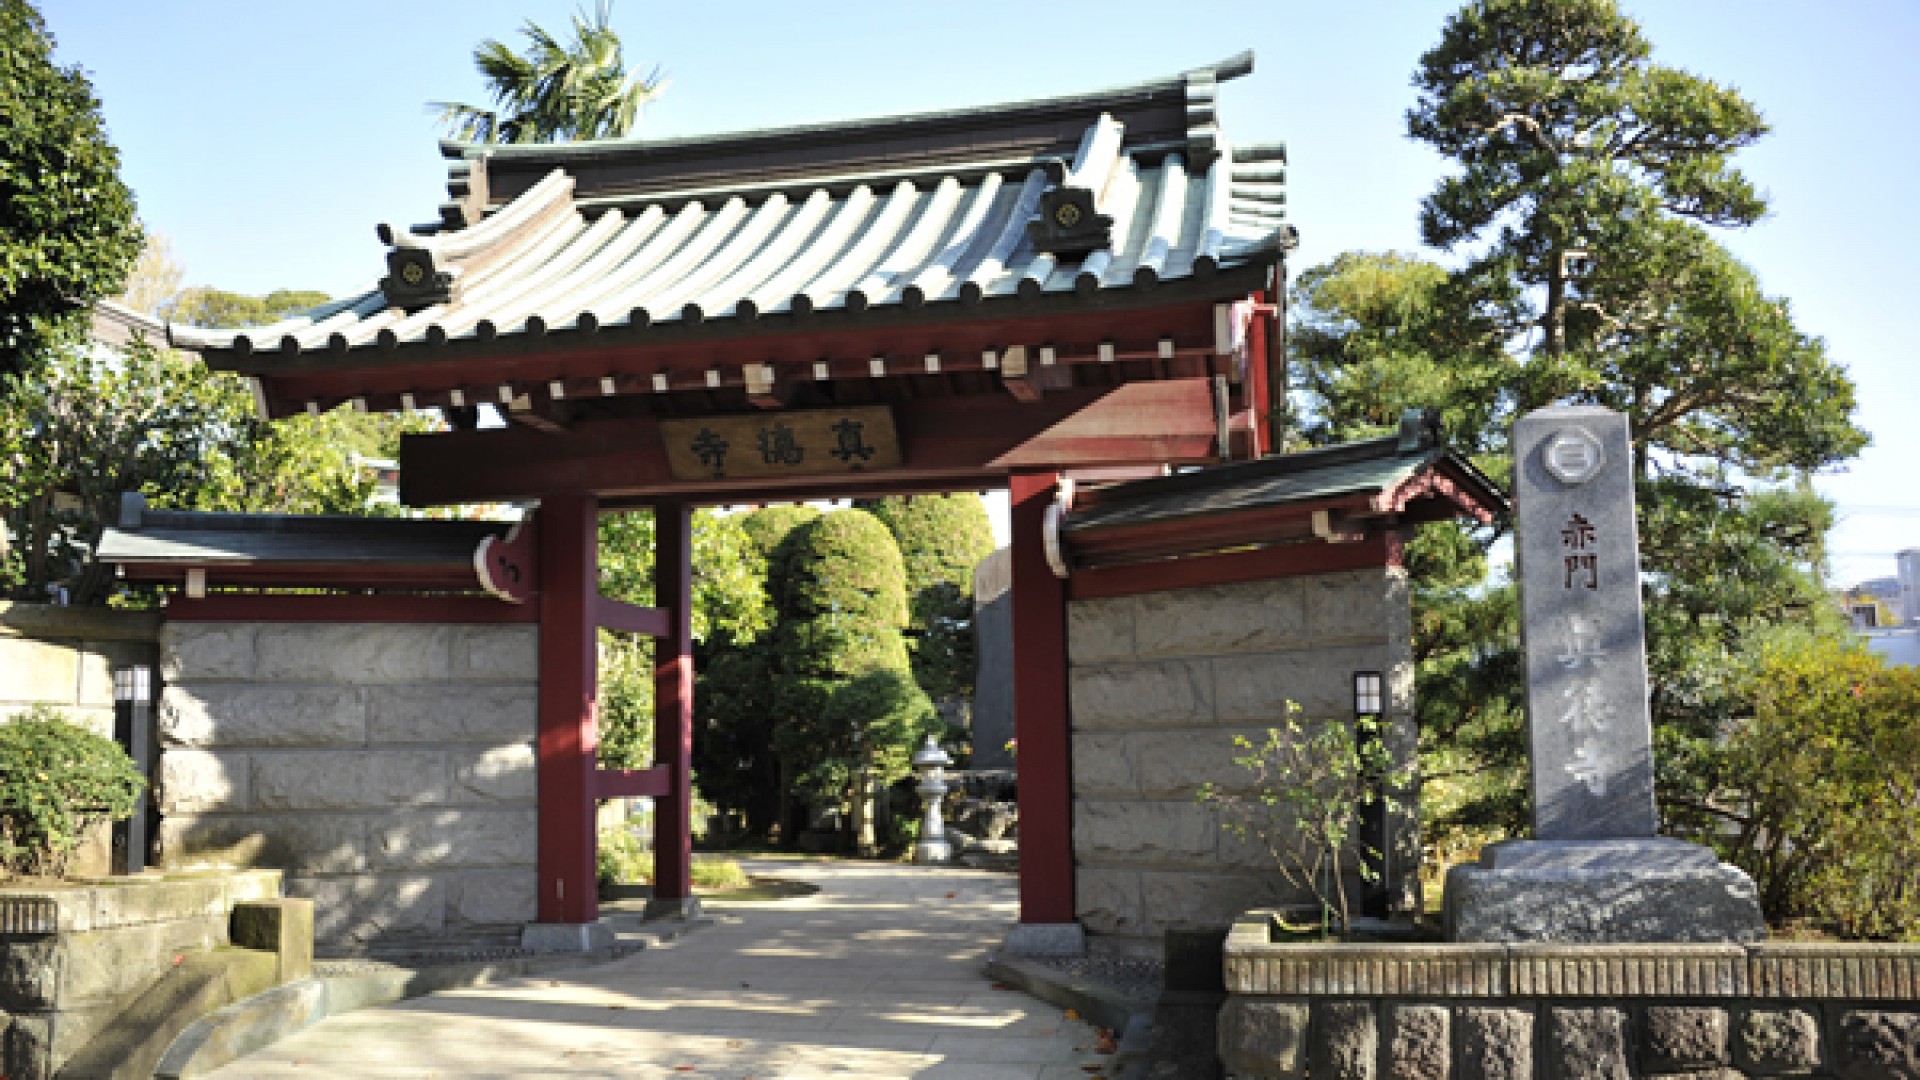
x,y
132,1043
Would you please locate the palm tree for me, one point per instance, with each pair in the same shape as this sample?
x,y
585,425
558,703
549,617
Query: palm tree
x,y
555,93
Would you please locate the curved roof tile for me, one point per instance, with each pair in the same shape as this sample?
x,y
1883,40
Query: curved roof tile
x,y
568,256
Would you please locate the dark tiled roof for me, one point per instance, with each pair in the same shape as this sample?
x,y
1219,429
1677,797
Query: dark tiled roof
x,y
159,539
893,213
1372,470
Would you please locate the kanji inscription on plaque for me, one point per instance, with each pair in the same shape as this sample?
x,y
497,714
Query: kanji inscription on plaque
x,y
802,443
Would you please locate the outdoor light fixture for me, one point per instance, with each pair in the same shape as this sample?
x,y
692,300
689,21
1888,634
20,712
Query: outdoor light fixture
x,y
1366,693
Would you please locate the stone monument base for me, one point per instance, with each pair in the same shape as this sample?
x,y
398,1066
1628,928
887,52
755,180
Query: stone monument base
x,y
1647,890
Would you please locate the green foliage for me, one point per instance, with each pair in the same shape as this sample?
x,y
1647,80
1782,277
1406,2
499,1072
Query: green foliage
x,y
872,724
1827,818
57,780
67,231
209,307
1585,176
941,539
89,426
555,92
1307,783
729,608
623,860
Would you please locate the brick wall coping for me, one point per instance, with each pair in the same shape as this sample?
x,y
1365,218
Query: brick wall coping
x,y
103,903
1255,964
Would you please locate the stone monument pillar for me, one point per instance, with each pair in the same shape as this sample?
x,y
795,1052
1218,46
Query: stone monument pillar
x,y
1595,869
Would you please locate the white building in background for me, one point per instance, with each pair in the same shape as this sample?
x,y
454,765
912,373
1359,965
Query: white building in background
x,y
1907,571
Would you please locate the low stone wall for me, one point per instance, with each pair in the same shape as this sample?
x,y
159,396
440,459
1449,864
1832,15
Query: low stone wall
x,y
1547,1012
65,657
72,956
388,768
1161,684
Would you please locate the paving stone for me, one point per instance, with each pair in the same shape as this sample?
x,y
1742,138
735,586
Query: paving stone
x,y
1418,1043
1346,1041
1264,1038
1778,1040
1682,1037
1495,1043
1588,1044
1877,1045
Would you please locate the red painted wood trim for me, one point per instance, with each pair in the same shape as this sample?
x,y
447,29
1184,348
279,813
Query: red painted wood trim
x,y
673,701
345,575
951,443
631,783
1286,560
583,361
569,584
255,607
632,618
1259,397
1041,723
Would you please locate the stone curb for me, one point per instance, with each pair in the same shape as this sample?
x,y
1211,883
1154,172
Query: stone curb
x,y
1857,972
264,1019
1132,1022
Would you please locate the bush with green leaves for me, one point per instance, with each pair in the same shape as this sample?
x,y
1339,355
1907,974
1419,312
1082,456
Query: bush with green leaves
x,y
1302,803
623,859
57,781
1828,767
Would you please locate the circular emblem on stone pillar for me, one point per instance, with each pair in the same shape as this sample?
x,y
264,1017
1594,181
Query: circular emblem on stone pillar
x,y
1573,456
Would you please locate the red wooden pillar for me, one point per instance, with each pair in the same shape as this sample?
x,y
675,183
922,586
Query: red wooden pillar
x,y
673,702
569,587
1040,709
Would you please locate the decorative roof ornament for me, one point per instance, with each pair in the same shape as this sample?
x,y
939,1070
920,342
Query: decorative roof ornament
x,y
413,281
1070,221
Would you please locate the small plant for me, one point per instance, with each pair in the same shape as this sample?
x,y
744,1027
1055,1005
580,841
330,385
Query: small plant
x,y
622,861
1309,782
57,781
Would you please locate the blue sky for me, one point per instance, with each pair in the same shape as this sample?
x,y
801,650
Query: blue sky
x,y
266,140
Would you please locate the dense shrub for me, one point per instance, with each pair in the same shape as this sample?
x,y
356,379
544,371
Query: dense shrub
x,y
57,780
1829,766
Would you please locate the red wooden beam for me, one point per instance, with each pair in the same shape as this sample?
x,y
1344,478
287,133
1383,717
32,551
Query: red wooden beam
x,y
1040,710
442,577
569,583
1259,564
673,702
257,607
945,443
632,618
656,782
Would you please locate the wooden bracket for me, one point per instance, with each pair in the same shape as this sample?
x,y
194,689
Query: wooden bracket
x,y
1029,382
509,568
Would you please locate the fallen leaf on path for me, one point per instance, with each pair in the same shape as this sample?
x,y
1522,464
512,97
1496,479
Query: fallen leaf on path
x,y
1002,986
1073,1014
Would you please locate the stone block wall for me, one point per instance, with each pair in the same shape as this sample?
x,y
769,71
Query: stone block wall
x,y
1547,1012
65,657
1160,685
388,768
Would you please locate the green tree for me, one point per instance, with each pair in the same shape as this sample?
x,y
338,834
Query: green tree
x,y
840,596
941,539
67,229
737,691
730,611
210,307
89,427
1586,175
553,91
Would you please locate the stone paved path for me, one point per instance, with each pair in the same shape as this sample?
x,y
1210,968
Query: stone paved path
x,y
877,975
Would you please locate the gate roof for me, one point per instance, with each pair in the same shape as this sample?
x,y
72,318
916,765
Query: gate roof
x,y
1070,245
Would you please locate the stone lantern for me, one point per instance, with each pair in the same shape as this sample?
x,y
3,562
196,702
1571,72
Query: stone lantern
x,y
931,761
